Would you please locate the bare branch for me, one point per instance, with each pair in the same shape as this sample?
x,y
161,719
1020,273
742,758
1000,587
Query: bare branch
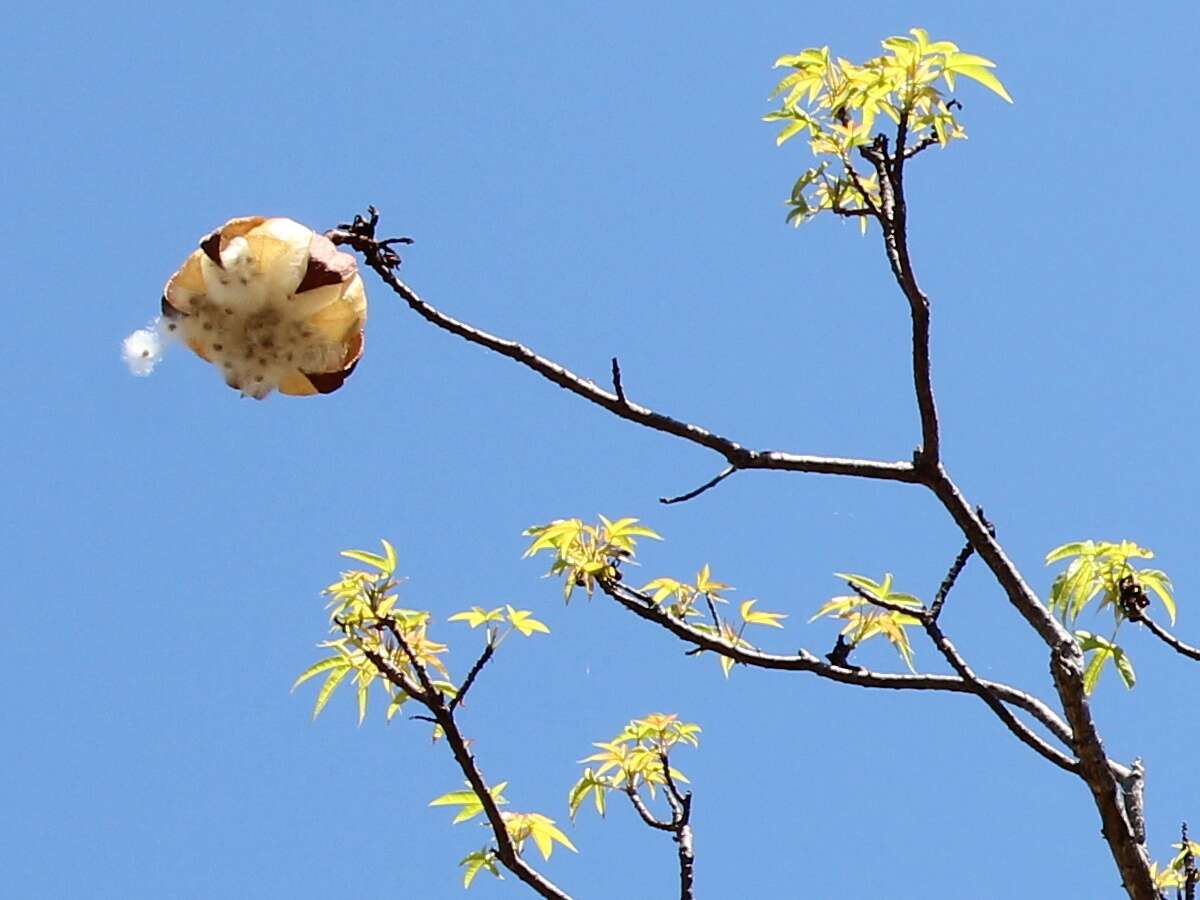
x,y
1167,638
894,221
960,562
852,213
643,606
711,483
488,651
681,816
959,664
616,379
734,453
644,811
925,143
679,826
871,209
943,591
675,797
433,700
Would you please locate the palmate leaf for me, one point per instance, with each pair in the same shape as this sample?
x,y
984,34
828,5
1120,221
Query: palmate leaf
x,y
760,617
522,620
477,615
543,831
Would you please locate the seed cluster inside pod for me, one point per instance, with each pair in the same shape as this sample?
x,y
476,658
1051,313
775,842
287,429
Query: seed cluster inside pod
x,y
272,304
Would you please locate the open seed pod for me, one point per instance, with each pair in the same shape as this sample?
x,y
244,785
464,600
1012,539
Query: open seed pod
x,y
272,304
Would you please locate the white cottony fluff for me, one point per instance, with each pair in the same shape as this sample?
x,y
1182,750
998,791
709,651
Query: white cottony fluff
x,y
143,349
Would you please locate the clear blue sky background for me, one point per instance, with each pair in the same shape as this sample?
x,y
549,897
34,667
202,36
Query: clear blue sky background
x,y
594,180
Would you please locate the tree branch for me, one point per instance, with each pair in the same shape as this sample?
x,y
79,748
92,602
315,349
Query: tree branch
x,y
644,811
488,651
433,700
1066,663
643,606
711,483
924,144
616,380
950,653
360,236
681,816
960,562
1167,638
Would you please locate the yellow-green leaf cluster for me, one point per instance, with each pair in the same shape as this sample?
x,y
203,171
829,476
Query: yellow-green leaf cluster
x,y
584,553
520,826
542,830
836,103
1174,874
864,620
682,600
1097,569
521,620
633,759
363,611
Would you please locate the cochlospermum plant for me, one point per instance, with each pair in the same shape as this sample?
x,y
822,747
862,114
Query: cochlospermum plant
x,y
866,123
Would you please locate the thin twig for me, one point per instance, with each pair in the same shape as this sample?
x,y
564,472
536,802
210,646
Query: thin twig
x,y
943,591
1016,726
1167,638
644,811
711,483
616,379
482,661
1191,875
966,673
852,213
643,606
924,144
741,457
433,700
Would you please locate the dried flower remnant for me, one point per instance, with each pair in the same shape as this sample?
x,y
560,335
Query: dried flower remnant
x,y
272,304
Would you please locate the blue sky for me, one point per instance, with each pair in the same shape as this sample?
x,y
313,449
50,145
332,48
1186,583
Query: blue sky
x,y
595,181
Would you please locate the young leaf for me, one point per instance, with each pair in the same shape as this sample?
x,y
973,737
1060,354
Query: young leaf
x,y
474,862
477,615
984,77
385,564
331,662
750,617
397,701
1075,548
1158,582
335,678
523,621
